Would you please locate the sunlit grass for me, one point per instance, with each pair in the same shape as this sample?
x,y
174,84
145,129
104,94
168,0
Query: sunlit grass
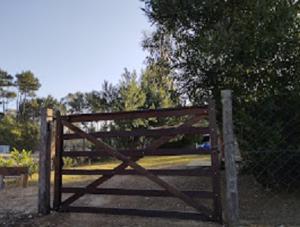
x,y
148,162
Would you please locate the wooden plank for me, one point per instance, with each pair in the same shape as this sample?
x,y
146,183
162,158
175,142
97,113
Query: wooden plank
x,y
174,112
164,139
24,182
1,182
124,165
232,200
201,171
216,181
58,162
109,150
143,132
95,183
139,212
13,171
44,162
135,192
140,152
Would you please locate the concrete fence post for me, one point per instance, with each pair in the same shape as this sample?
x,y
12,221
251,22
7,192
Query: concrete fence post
x,y
232,201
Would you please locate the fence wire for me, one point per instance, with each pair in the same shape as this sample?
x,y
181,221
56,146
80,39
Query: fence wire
x,y
268,135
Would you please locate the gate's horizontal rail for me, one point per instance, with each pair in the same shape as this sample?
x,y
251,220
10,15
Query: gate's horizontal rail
x,y
139,212
143,132
170,112
140,152
135,192
203,171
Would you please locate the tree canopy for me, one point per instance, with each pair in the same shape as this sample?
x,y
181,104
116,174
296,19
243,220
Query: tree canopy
x,y
252,48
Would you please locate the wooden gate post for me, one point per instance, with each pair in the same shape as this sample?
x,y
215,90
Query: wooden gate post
x,y
58,162
1,182
45,161
232,203
215,163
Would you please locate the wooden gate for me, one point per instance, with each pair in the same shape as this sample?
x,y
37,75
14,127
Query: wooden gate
x,y
130,157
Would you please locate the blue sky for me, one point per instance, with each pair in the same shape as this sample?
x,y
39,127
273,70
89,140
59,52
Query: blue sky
x,y
72,45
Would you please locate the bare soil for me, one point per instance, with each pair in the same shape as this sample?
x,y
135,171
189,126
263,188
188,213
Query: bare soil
x,y
259,206
19,206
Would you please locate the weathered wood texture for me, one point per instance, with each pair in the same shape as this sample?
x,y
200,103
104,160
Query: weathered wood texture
x,y
13,171
1,182
129,115
120,168
58,161
143,132
24,180
136,192
130,157
139,212
114,153
45,161
139,152
22,172
216,182
200,171
232,202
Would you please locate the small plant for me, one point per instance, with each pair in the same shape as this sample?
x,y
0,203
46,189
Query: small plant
x,y
7,162
20,159
69,162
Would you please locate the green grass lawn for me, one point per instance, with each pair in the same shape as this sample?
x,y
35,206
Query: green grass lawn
x,y
148,162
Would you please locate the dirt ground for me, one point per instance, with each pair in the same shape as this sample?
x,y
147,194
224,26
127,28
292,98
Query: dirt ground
x,y
259,207
18,206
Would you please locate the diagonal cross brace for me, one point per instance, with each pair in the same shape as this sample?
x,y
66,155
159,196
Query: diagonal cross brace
x,y
112,152
157,143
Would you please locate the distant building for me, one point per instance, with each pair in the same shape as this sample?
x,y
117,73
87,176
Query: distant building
x,y
4,149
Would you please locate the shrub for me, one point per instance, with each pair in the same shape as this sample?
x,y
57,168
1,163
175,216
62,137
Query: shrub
x,y
21,158
69,162
18,134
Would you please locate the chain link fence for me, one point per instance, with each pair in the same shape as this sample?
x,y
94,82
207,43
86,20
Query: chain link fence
x,y
268,135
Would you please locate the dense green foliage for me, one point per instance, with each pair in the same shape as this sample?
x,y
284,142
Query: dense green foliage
x,y
20,127
20,158
153,88
197,49
19,134
6,81
252,48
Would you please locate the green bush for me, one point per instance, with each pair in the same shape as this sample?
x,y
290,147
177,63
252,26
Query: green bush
x,y
21,158
69,162
19,134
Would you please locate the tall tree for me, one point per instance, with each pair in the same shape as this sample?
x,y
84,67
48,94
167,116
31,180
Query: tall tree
x,y
33,107
159,88
74,102
252,48
105,100
6,81
7,96
27,85
132,96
